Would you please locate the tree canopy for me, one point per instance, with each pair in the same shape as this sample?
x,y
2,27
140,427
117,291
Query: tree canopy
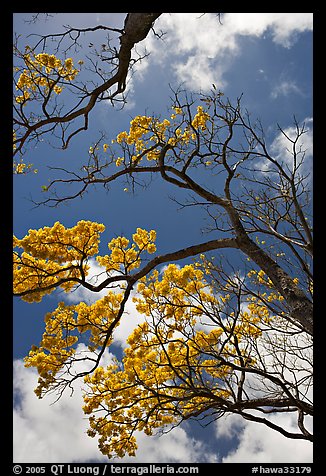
x,y
219,336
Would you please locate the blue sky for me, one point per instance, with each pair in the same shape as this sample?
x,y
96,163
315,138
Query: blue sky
x,y
267,57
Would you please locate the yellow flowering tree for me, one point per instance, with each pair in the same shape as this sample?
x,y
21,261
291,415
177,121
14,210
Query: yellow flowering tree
x,y
215,339
211,343
202,352
249,202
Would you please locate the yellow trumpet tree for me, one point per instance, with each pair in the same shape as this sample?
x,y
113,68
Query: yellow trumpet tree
x,y
215,339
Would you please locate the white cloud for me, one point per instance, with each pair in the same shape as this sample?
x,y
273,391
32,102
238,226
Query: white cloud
x,y
282,26
96,275
286,26
230,426
173,447
130,320
284,88
281,147
200,50
201,72
259,444
45,433
255,442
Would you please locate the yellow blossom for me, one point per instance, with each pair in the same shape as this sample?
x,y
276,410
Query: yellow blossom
x,y
43,71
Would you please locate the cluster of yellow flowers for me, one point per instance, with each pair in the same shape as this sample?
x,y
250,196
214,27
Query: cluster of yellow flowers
x,y
53,254
177,285
156,385
200,119
139,127
260,277
173,366
183,294
177,111
63,329
58,254
112,389
61,244
20,167
43,71
98,317
145,132
169,359
125,258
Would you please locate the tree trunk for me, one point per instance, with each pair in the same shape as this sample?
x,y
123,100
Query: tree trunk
x,y
301,308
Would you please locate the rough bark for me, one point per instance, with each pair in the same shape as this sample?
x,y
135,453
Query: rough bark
x,y
301,308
